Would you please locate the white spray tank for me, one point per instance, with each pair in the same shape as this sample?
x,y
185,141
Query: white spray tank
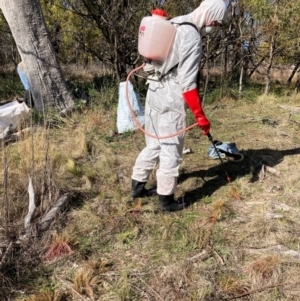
x,y
156,35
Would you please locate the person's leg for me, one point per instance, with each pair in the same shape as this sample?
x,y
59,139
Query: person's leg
x,y
167,175
170,159
168,171
144,164
146,160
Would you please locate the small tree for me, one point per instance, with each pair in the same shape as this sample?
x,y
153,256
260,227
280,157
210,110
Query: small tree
x,y
118,23
276,25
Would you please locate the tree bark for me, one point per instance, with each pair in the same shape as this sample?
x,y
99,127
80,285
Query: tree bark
x,y
47,83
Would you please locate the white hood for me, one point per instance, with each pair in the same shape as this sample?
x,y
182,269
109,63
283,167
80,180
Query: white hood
x,y
208,11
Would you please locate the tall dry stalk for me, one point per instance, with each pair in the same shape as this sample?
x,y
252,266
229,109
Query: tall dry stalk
x,y
47,175
31,193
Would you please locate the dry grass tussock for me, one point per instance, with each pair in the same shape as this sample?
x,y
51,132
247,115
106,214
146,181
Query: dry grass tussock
x,y
238,240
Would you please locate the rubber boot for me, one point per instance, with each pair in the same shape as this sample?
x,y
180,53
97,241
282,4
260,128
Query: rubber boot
x,y
168,203
138,190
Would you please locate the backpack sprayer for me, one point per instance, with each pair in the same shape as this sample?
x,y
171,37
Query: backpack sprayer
x,y
156,36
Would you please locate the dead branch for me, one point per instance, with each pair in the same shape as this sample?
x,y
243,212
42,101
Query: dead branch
x,y
8,135
32,206
201,256
257,291
69,286
272,170
277,249
20,134
143,293
6,254
60,206
151,289
219,257
31,229
293,110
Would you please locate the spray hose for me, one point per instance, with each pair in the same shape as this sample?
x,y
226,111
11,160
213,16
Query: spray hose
x,y
137,121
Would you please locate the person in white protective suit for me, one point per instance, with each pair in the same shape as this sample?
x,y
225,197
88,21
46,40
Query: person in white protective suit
x,y
166,103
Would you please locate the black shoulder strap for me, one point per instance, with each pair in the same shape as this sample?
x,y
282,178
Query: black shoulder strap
x,y
170,71
173,68
187,23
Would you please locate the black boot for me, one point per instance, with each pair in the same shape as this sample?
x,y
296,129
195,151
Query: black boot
x,y
168,203
138,190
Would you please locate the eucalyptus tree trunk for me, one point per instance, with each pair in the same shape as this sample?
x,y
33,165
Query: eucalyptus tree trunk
x,y
47,83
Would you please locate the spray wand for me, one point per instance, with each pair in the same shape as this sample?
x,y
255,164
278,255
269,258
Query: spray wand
x,y
210,138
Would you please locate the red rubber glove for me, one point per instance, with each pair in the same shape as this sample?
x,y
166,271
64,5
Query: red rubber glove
x,y
193,100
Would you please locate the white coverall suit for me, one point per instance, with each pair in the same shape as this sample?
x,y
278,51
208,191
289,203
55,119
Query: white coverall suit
x,y
165,110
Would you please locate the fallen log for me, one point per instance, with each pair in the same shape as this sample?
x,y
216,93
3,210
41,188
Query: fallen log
x,y
60,206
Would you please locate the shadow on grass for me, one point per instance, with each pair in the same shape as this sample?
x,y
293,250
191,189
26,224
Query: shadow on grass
x,y
253,162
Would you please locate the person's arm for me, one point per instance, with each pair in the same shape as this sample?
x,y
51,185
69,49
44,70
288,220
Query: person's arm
x,y
192,98
189,50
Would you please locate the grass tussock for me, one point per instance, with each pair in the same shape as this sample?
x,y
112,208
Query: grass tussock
x,y
238,240
59,247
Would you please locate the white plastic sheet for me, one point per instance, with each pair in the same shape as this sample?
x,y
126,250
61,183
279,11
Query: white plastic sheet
x,y
125,121
12,114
